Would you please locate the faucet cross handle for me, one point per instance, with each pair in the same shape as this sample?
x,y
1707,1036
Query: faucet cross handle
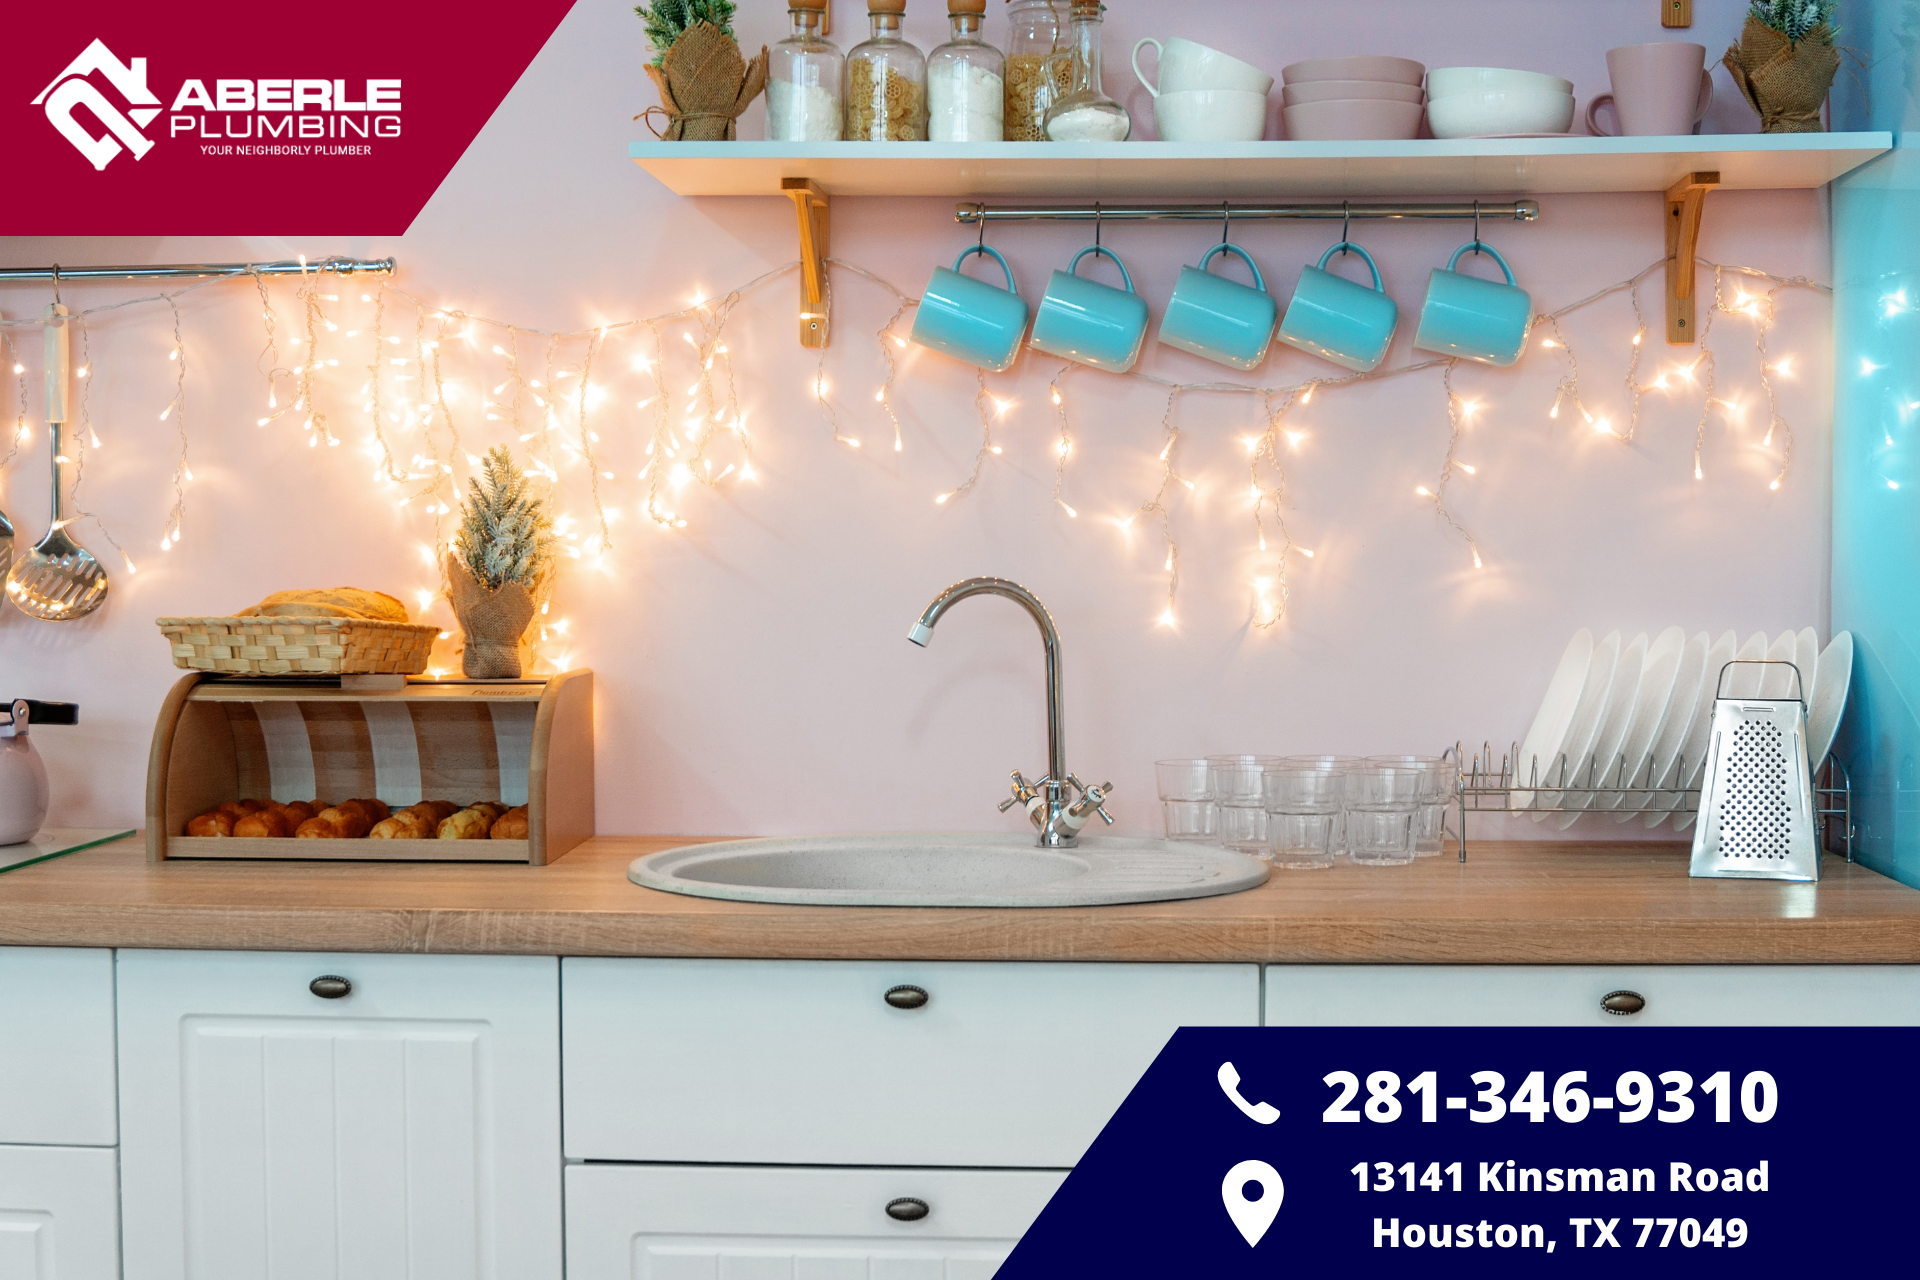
x,y
1023,791
1093,800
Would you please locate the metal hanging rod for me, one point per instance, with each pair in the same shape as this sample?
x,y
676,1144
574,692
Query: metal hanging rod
x,y
971,214
335,265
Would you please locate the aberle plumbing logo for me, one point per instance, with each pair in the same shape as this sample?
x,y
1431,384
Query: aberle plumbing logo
x,y
295,117
336,118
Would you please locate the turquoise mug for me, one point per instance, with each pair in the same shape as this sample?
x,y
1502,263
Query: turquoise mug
x,y
1472,318
970,320
1338,320
1089,322
1220,319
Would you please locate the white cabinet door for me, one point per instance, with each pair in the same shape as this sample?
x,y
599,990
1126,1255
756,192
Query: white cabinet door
x,y
408,1129
59,1214
56,1046
806,1061
1732,995
680,1222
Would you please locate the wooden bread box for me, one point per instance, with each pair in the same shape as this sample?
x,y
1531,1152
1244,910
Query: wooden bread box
x,y
402,740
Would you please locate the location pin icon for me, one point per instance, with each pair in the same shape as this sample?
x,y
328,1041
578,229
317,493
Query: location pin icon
x,y
1252,1215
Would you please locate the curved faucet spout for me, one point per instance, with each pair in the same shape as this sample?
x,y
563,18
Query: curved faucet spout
x,y
922,634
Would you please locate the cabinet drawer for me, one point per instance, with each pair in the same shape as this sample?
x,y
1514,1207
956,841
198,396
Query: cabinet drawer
x,y
56,1046
654,1222
409,1126
1570,995
59,1213
805,1061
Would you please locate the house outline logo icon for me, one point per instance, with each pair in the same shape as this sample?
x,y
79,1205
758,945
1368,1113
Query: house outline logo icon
x,y
72,88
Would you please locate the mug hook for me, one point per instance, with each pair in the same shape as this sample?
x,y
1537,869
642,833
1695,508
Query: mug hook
x,y
1346,220
1226,220
56,284
1476,226
1096,224
983,228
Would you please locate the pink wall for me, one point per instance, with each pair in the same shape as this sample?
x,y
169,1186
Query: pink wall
x,y
754,675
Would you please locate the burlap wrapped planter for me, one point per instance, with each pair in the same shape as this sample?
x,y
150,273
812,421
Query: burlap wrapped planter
x,y
299,646
495,623
704,85
1786,81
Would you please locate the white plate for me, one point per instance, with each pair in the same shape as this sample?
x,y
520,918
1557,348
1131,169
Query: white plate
x,y
1555,716
1806,656
1830,687
1585,725
1674,722
1685,771
1777,683
1597,769
1657,677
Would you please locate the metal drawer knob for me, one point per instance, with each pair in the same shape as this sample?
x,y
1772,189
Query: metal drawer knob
x,y
905,997
330,986
1623,1004
907,1209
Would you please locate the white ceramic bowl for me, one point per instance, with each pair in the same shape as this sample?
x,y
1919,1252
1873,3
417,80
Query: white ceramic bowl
x,y
1210,115
1445,81
1333,90
1351,119
1500,111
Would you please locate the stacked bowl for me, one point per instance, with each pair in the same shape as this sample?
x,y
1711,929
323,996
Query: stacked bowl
x,y
1349,99
1491,102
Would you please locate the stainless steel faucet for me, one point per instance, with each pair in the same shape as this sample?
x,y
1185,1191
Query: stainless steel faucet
x,y
1049,802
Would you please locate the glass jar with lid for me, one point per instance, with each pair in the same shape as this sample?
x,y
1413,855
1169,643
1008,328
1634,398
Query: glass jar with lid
x,y
886,81
1085,113
966,85
804,75
1036,32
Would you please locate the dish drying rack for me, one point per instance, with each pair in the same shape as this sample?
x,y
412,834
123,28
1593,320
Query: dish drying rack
x,y
1489,788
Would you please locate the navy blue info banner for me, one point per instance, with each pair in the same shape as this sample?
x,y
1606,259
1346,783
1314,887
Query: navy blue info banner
x,y
1490,1152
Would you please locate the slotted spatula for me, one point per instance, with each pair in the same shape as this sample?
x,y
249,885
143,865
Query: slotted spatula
x,y
57,580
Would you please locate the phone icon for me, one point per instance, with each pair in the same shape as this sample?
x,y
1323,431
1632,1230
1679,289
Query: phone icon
x,y
1259,1112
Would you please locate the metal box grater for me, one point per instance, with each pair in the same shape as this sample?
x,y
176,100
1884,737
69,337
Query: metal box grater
x,y
1756,806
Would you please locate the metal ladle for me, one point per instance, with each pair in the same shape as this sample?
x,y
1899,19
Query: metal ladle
x,y
58,580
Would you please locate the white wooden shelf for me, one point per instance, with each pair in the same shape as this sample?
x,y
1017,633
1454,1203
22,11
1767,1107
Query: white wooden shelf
x,y
1264,170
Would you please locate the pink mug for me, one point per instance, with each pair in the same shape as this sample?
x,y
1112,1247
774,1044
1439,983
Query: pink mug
x,y
1659,89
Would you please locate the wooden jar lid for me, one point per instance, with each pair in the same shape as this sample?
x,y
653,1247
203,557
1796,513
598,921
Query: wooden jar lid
x,y
818,6
967,6
886,6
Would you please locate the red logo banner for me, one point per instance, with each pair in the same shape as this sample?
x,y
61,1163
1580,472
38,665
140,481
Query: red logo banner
x,y
233,119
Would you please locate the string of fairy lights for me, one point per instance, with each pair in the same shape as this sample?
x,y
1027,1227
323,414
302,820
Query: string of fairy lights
x,y
408,394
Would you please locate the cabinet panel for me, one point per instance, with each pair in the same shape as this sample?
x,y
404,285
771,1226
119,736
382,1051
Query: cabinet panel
x,y
56,1050
59,1214
409,1129
1569,995
655,1222
805,1062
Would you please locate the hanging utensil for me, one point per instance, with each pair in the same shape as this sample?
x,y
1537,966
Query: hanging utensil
x,y
58,580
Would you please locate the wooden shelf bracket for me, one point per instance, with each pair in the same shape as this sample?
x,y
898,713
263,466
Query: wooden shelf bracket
x,y
810,205
1685,201
1676,13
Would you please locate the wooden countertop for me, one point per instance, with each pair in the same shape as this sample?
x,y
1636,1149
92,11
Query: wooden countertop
x,y
1512,903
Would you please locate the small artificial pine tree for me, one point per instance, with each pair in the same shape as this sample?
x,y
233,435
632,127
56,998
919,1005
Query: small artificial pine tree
x,y
668,20
1794,19
505,536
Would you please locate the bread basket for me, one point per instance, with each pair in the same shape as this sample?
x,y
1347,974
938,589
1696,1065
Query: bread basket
x,y
299,646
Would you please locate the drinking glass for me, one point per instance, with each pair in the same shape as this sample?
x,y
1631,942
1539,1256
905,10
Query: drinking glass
x,y
1186,796
1340,763
1301,841
1382,802
1235,781
1243,827
1439,789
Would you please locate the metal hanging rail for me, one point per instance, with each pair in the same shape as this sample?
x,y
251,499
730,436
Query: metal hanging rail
x,y
970,214
196,271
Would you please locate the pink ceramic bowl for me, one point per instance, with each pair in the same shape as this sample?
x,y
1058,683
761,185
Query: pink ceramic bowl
x,y
1334,90
1351,119
1400,70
